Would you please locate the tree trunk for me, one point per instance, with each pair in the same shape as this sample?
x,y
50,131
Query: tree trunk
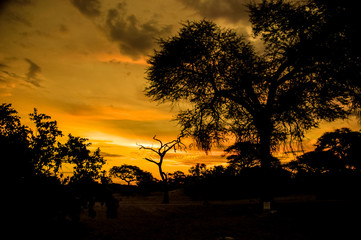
x,y
267,186
165,185
166,193
265,150
264,127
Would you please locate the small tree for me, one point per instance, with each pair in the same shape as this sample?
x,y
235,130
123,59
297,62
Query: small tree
x,y
336,152
87,164
127,173
177,177
161,152
243,155
343,143
316,163
199,170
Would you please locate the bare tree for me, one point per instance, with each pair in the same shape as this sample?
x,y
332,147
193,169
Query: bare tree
x,y
161,152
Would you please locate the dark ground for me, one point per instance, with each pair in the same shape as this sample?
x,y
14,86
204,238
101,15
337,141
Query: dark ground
x,y
296,217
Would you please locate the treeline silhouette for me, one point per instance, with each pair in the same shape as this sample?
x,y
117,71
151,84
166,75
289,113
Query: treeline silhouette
x,y
39,195
331,171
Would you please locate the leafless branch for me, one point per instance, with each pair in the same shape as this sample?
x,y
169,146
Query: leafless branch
x,y
147,148
151,160
158,140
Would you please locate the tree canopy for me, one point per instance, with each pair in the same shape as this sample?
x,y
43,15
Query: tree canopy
x,y
307,73
130,173
39,153
335,152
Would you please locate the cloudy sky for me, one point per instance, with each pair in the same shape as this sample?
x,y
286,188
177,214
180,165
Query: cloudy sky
x,y
83,62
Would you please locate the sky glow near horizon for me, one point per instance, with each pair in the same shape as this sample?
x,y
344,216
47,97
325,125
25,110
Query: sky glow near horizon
x,y
84,64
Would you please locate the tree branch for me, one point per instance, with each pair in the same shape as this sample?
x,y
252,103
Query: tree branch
x,y
151,160
156,139
147,148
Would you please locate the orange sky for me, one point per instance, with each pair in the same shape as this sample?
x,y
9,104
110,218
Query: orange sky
x,y
84,62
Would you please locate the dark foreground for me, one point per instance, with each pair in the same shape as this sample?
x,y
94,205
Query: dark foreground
x,y
144,218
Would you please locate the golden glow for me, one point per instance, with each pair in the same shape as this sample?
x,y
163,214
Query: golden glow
x,y
91,78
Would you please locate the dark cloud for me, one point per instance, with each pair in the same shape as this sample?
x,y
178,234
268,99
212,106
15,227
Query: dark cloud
x,y
105,154
6,76
79,109
134,38
5,3
90,8
63,28
231,10
8,10
2,65
14,17
33,72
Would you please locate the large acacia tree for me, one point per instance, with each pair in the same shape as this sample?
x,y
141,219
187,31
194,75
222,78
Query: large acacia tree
x,y
308,71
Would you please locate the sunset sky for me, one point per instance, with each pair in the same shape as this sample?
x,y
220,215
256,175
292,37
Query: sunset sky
x,y
83,62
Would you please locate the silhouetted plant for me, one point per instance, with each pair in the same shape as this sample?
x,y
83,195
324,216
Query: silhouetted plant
x,y
14,144
264,98
87,164
161,152
130,173
317,163
35,158
43,144
243,155
343,143
127,173
335,152
199,170
176,178
332,169
308,71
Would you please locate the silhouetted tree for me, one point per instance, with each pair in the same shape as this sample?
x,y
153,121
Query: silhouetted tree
x,y
199,170
306,73
87,164
130,173
125,172
86,172
176,177
243,155
161,152
10,122
316,163
335,152
43,144
33,159
265,98
318,39
144,177
343,143
14,145
332,169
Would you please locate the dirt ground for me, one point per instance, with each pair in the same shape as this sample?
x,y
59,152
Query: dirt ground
x,y
294,217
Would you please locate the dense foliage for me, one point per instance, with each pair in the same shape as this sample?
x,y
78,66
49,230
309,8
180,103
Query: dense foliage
x,y
309,71
32,161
